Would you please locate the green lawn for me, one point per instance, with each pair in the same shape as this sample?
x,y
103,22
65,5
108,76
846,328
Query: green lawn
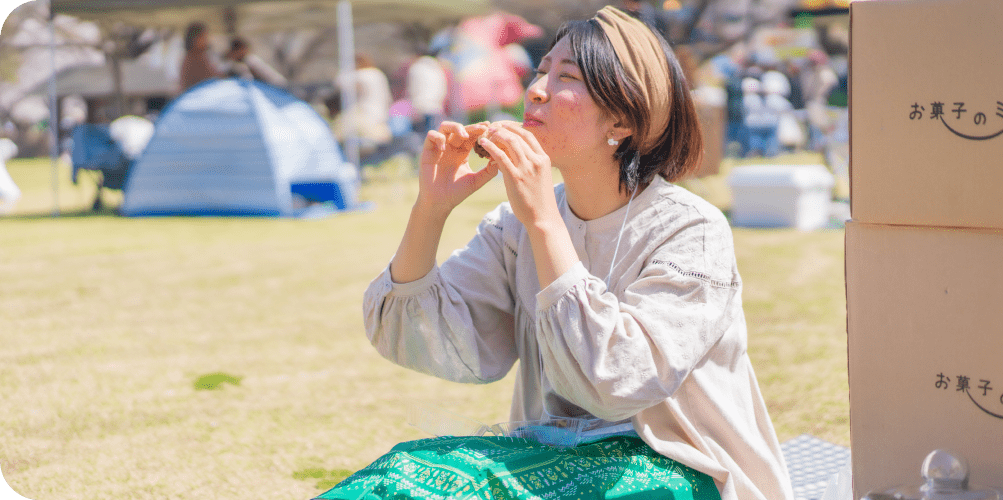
x,y
225,358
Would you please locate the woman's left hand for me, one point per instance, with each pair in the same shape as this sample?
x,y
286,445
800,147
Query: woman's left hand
x,y
526,169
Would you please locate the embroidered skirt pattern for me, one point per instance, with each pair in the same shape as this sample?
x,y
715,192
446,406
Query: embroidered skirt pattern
x,y
489,468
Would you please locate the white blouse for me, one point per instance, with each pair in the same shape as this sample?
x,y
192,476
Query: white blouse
x,y
664,347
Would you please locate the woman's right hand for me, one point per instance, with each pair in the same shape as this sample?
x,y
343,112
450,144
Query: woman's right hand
x,y
445,178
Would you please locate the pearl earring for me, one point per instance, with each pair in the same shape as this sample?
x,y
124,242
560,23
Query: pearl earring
x,y
612,141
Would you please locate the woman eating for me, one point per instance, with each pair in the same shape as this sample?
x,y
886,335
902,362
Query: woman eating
x,y
616,291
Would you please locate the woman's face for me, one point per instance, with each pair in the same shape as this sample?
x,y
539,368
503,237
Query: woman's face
x,y
560,112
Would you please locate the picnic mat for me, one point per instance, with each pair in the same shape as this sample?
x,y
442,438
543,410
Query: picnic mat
x,y
811,462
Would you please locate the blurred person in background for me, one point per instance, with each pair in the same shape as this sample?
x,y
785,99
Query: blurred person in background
x,y
370,116
9,192
794,77
776,82
764,105
616,291
737,133
776,89
759,125
197,64
794,69
246,64
427,88
819,80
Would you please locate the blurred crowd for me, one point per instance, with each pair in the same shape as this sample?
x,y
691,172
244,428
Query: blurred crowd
x,y
773,102
384,118
476,65
776,106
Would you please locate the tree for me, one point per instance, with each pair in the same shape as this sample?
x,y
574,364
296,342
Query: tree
x,y
706,27
26,62
25,47
710,27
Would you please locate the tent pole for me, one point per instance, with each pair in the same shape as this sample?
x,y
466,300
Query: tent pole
x,y
53,114
346,77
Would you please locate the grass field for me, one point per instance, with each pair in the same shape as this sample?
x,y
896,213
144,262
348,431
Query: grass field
x,y
224,358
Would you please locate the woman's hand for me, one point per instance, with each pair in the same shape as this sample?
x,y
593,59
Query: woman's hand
x,y
525,167
445,178
530,187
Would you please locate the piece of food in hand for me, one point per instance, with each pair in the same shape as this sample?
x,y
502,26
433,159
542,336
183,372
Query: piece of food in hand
x,y
483,153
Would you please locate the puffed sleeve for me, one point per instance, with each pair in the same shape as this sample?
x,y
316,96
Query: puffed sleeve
x,y
456,322
614,357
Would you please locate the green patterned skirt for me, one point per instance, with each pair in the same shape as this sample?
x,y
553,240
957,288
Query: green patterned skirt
x,y
621,467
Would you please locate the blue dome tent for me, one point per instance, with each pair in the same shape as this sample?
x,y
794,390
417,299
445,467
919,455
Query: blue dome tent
x,y
238,147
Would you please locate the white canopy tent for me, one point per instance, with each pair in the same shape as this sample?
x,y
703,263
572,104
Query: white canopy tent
x,y
96,81
262,16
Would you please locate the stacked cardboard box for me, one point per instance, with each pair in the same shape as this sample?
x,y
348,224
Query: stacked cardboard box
x,y
924,252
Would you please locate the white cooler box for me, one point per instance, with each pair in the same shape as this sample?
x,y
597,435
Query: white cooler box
x,y
798,196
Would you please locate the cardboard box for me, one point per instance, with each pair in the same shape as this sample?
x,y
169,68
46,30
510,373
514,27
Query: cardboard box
x,y
798,196
925,337
927,112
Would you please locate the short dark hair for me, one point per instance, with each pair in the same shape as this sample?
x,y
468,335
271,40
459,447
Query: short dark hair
x,y
680,146
194,31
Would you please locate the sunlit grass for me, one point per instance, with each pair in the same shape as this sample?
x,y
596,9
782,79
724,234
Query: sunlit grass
x,y
109,323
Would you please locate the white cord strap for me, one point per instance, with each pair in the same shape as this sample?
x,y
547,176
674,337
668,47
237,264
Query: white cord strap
x,y
616,250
